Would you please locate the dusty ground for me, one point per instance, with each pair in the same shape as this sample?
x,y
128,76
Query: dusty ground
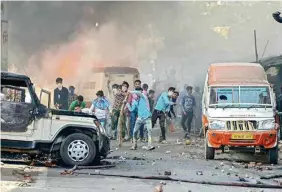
x,y
183,161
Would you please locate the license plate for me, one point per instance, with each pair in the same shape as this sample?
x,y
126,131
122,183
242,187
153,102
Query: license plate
x,y
242,136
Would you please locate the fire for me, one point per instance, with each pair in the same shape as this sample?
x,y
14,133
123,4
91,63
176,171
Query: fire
x,y
74,60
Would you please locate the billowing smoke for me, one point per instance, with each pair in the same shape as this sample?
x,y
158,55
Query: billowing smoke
x,y
74,60
53,39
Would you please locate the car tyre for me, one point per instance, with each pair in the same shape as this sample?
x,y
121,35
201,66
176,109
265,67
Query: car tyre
x,y
273,155
209,151
78,149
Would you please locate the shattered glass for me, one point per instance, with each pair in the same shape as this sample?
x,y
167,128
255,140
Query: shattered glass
x,y
15,117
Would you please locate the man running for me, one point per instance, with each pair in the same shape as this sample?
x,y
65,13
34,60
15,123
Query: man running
x,y
188,104
144,118
162,107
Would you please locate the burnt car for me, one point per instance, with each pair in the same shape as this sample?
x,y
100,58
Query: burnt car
x,y
30,127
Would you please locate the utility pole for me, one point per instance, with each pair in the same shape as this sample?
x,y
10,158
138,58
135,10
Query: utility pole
x,y
4,38
256,48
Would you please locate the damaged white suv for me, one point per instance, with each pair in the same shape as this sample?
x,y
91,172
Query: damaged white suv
x,y
29,127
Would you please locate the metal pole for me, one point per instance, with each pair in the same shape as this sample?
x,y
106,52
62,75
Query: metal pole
x,y
4,39
256,49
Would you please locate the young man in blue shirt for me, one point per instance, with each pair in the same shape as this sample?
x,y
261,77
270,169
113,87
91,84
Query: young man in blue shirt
x,y
188,105
161,109
144,117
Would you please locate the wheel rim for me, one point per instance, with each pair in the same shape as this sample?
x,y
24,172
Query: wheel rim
x,y
78,150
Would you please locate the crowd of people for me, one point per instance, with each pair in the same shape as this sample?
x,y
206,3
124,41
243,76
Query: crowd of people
x,y
134,111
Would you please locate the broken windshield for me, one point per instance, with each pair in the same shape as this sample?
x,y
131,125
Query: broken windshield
x,y
240,96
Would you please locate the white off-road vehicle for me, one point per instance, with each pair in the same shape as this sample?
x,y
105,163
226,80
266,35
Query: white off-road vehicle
x,y
29,127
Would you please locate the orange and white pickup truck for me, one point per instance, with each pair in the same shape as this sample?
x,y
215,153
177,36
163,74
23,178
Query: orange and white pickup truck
x,y
239,110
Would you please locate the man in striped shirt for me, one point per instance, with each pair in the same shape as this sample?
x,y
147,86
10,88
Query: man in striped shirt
x,y
118,101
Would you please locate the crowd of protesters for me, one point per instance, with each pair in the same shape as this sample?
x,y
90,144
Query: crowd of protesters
x,y
134,111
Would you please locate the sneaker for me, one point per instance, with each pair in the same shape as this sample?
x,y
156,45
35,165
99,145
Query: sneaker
x,y
187,136
134,147
164,141
148,148
144,141
161,139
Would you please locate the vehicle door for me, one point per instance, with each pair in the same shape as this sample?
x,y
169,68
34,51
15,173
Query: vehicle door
x,y
17,108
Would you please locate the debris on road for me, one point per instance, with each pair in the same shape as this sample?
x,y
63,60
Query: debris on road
x,y
167,173
163,183
167,152
167,178
178,142
67,172
252,164
271,176
241,179
71,171
199,172
159,188
259,182
278,181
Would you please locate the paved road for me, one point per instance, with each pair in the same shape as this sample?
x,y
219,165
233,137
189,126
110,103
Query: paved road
x,y
183,161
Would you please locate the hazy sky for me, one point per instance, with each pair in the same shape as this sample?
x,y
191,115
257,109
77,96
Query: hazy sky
x,y
188,38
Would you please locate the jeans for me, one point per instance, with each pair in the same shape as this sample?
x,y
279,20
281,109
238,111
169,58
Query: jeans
x,y
114,118
133,117
187,121
147,123
161,116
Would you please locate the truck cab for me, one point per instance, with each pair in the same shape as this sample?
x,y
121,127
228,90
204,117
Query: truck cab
x,y
29,127
239,110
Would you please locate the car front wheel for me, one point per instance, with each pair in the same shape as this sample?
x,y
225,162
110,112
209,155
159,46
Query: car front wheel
x,y
209,151
273,155
78,149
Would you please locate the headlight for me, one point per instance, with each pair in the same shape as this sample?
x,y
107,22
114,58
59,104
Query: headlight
x,y
266,125
216,124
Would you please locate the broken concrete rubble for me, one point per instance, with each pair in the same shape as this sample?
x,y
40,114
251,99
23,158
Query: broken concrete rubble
x,y
167,173
158,188
199,172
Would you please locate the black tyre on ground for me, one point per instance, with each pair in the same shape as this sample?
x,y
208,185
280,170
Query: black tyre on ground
x,y
209,151
78,149
273,155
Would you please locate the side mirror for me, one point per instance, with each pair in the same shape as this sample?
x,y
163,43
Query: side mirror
x,y
48,93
